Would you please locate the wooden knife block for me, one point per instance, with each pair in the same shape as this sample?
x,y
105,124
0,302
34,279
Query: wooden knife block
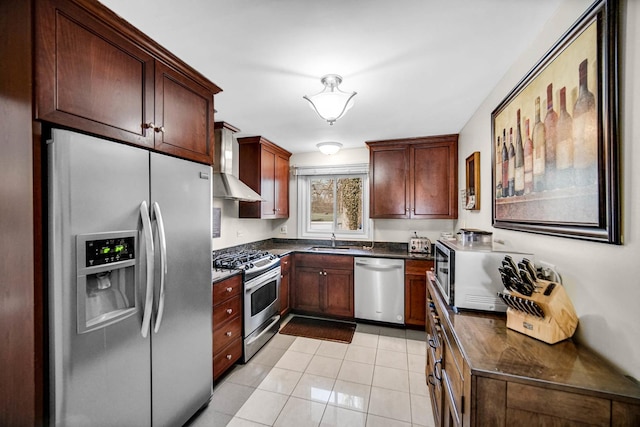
x,y
560,319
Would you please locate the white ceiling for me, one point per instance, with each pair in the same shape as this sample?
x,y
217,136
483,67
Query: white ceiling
x,y
420,67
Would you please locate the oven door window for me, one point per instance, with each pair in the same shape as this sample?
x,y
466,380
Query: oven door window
x,y
264,297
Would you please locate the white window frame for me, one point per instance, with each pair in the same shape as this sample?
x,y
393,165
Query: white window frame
x,y
305,175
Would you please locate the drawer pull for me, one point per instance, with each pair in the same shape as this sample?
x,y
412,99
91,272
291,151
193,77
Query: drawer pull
x,y
430,380
435,370
229,289
228,333
229,356
229,310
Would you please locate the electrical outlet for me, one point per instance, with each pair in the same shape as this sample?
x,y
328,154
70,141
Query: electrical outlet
x,y
283,229
549,271
545,264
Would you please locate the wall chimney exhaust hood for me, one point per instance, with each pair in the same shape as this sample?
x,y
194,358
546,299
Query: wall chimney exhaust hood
x,y
226,185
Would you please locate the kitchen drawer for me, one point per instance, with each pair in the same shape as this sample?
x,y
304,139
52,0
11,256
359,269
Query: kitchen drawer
x,y
454,359
224,334
453,379
227,288
417,267
226,310
227,357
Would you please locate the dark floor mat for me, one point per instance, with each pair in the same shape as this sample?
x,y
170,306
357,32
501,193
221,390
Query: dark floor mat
x,y
320,329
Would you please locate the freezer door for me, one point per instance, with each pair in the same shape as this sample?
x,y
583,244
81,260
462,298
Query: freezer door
x,y
181,330
100,371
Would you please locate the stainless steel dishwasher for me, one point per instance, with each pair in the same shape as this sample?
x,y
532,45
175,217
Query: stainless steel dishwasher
x,y
379,289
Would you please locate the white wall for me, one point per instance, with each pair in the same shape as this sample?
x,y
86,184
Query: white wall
x,y
602,280
236,231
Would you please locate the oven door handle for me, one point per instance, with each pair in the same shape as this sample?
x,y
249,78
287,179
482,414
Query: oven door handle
x,y
274,320
261,281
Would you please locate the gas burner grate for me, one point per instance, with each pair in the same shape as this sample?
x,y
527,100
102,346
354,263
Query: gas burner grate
x,y
237,259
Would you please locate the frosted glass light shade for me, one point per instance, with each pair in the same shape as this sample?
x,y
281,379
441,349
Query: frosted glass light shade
x,y
329,147
331,103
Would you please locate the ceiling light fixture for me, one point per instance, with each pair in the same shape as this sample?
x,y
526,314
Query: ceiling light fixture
x,y
329,147
331,103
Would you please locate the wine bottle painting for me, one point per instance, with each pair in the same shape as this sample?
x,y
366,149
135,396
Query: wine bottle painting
x,y
546,142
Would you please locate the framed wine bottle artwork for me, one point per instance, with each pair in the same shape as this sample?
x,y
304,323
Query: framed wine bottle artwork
x,y
555,149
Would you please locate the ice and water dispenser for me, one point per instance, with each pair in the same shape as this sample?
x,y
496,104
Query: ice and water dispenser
x,y
106,278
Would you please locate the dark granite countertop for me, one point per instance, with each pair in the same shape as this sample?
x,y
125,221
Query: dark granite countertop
x,y
283,247
218,275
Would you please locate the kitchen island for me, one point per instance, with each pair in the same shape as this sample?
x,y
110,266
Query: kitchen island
x,y
479,372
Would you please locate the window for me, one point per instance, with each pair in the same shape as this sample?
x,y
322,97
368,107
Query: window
x,y
333,203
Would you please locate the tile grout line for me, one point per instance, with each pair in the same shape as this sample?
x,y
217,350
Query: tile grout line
x,y
342,360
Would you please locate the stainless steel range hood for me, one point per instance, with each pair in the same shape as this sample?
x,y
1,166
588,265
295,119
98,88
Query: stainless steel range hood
x,y
225,183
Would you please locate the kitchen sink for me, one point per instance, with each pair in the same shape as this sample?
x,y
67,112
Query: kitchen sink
x,y
329,248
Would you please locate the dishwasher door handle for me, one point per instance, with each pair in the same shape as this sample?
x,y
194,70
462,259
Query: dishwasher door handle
x,y
378,266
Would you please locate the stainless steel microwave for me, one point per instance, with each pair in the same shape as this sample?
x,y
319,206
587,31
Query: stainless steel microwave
x,y
468,276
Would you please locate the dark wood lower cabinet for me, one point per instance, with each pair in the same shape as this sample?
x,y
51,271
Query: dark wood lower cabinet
x,y
415,288
480,373
226,324
285,281
323,285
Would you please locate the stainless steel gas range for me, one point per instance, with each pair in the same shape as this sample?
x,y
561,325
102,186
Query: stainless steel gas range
x,y
261,283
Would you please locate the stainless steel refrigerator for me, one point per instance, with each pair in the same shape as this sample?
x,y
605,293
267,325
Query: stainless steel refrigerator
x,y
129,288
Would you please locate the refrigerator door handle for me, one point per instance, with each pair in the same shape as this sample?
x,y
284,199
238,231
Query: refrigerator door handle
x,y
148,245
163,263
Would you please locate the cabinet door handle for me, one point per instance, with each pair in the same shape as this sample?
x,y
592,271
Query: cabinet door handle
x,y
325,273
159,129
320,273
435,370
229,356
229,289
149,125
430,380
228,333
229,310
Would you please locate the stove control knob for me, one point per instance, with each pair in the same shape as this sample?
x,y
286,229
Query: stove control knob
x,y
272,256
248,266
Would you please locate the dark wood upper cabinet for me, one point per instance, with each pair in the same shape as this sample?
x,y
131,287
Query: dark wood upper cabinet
x,y
97,74
414,178
183,116
264,167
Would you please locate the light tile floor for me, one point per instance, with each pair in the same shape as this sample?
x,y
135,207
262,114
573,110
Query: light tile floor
x,y
377,380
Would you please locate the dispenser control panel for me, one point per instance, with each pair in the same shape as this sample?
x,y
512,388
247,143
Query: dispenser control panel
x,y
108,251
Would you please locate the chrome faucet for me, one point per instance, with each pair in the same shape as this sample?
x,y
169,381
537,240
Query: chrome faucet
x,y
333,240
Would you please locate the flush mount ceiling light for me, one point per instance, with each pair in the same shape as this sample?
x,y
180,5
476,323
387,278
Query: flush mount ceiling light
x,y
331,103
329,147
